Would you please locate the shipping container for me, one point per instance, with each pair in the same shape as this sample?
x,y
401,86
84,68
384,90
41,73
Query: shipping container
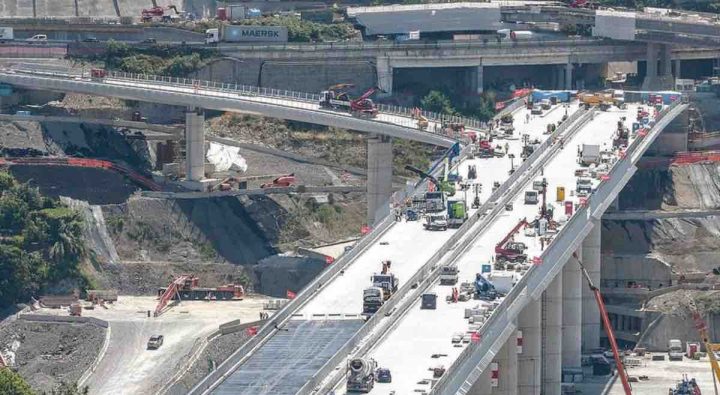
x,y
236,33
235,12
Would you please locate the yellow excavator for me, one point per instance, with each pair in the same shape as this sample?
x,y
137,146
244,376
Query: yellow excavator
x,y
422,121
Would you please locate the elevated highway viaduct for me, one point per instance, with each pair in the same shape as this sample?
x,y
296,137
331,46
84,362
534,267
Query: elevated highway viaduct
x,y
562,64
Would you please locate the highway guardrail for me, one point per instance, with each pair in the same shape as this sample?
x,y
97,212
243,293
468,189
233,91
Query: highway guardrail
x,y
430,270
463,372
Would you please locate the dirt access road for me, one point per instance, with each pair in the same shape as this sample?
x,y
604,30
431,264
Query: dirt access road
x,y
129,368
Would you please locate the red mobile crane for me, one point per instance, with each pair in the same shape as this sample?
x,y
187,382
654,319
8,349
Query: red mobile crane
x,y
335,99
608,329
185,287
509,250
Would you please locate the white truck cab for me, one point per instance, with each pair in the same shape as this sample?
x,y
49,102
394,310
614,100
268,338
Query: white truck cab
x,y
212,36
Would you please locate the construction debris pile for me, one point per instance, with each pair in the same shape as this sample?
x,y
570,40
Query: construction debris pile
x,y
47,353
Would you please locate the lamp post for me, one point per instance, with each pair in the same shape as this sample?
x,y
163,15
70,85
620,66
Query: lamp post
x,y
512,163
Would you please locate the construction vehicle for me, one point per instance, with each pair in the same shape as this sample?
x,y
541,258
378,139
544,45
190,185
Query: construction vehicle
x,y
363,106
422,121
229,183
436,222
484,289
361,375
448,275
608,328
584,4
373,299
589,154
675,352
686,387
155,342
137,117
428,301
441,185
456,213
98,74
710,348
509,250
622,135
185,287
388,282
596,99
285,181
485,149
583,186
162,14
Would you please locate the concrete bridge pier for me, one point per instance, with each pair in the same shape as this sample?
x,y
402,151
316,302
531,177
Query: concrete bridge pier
x,y
572,313
530,361
568,76
590,311
507,360
480,80
658,76
195,146
384,75
552,337
379,179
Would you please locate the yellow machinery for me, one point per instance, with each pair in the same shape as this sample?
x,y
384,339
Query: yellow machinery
x,y
422,122
601,99
710,347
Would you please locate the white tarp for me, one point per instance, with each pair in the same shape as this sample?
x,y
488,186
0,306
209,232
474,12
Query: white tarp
x,y
226,158
614,24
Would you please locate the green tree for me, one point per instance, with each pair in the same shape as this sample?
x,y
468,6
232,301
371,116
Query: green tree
x,y
12,384
70,389
437,101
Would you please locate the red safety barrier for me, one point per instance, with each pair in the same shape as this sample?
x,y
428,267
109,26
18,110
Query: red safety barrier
x,y
92,163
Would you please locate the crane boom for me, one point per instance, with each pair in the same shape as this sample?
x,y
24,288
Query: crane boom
x,y
423,174
608,329
710,347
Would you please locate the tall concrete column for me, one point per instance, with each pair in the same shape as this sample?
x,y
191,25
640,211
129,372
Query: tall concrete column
x,y
552,336
480,79
195,144
666,60
530,361
590,311
568,76
572,312
559,75
507,360
651,70
379,179
678,68
482,385
384,75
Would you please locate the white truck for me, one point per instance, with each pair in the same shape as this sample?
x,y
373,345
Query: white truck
x,y
6,34
589,154
361,375
448,275
675,351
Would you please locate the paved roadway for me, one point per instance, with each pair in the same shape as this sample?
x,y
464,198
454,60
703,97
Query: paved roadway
x,y
408,348
408,247
408,244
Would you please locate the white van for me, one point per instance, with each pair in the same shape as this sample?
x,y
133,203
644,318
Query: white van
x,y
38,38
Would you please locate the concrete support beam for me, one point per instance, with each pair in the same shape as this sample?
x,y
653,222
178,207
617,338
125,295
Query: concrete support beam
x,y
652,60
666,60
480,80
195,144
658,78
379,179
568,76
552,337
678,68
530,361
590,312
384,75
507,360
572,312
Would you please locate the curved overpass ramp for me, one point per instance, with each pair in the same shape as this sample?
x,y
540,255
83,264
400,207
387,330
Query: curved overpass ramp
x,y
273,103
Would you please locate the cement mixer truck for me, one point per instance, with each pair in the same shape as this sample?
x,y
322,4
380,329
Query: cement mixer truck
x,y
361,375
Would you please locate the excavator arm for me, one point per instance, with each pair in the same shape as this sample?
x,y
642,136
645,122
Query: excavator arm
x,y
423,174
710,347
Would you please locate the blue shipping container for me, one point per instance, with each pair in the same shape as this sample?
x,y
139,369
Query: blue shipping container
x,y
562,96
